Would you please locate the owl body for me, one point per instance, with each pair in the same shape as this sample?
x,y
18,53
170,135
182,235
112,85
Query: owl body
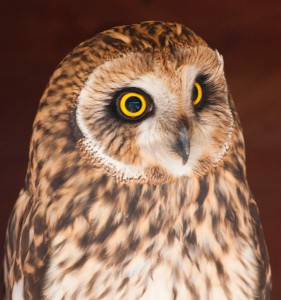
x,y
136,186
160,255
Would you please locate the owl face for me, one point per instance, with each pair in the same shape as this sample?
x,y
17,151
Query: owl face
x,y
156,114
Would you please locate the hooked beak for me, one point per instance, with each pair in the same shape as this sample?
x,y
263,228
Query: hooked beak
x,y
181,145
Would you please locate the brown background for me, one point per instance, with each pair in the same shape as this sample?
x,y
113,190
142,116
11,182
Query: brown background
x,y
36,35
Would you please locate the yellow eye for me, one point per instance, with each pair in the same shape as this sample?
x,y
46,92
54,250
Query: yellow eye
x,y
197,93
132,105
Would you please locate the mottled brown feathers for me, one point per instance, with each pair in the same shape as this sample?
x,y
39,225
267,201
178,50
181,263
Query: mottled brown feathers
x,y
114,208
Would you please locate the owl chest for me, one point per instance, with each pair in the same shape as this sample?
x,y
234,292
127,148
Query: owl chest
x,y
155,269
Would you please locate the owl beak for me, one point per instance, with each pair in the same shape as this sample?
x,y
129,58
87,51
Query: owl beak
x,y
181,146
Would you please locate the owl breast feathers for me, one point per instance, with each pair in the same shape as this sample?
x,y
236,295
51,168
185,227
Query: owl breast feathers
x,y
136,185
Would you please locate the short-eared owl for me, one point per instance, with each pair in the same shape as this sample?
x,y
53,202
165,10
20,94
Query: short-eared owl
x,y
136,185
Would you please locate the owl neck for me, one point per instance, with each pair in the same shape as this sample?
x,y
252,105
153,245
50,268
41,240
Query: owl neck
x,y
175,207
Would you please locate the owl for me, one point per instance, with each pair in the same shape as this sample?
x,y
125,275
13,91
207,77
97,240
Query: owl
x,y
136,185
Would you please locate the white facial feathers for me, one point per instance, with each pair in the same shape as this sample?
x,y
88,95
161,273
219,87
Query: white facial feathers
x,y
169,83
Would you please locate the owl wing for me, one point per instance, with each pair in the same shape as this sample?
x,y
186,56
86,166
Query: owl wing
x,y
261,252
26,251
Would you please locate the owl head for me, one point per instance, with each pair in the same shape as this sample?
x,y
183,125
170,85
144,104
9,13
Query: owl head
x,y
146,102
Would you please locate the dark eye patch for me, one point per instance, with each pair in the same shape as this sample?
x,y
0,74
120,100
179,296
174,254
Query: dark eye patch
x,y
133,105
208,91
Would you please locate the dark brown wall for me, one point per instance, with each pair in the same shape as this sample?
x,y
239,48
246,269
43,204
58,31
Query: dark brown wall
x,y
36,35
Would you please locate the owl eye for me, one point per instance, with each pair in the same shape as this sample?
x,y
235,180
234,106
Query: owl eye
x,y
197,93
132,105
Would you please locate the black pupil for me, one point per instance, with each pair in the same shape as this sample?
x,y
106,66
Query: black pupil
x,y
133,104
194,93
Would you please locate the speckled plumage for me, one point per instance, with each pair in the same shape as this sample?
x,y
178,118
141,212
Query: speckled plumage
x,y
110,209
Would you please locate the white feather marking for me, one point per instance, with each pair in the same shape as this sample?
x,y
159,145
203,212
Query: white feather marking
x,y
126,171
155,148
17,293
228,140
